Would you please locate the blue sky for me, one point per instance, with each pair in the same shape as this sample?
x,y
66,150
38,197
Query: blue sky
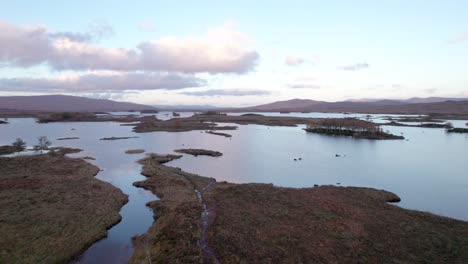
x,y
336,50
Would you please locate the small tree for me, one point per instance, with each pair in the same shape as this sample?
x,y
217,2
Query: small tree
x,y
448,125
19,145
43,144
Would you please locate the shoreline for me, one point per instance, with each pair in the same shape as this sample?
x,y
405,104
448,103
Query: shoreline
x,y
239,215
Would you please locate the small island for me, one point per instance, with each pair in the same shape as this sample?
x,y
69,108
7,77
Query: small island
x,y
68,138
134,151
203,152
219,134
457,130
350,127
116,138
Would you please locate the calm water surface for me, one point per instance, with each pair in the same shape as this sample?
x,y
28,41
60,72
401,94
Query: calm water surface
x,y
428,170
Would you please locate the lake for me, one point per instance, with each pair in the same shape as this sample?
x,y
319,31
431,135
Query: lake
x,y
428,170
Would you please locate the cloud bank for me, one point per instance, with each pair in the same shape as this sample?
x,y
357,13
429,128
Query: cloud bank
x,y
220,50
107,82
355,67
304,86
229,92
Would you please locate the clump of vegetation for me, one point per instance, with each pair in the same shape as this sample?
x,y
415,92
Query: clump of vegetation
x,y
349,127
43,144
19,145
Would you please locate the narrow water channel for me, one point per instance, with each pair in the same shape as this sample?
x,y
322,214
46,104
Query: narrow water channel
x,y
136,217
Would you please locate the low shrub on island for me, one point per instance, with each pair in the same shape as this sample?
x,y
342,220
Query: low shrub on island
x,y
349,127
458,130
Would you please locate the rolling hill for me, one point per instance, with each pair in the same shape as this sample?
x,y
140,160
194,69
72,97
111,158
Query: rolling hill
x,y
65,103
458,106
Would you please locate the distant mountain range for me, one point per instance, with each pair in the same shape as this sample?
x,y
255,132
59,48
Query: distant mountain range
x,y
415,100
65,103
410,106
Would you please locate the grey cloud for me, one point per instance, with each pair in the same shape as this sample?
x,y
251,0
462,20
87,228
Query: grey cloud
x,y
228,92
24,47
97,30
102,83
355,67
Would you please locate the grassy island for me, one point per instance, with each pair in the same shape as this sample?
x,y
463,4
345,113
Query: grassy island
x,y
201,152
458,130
349,127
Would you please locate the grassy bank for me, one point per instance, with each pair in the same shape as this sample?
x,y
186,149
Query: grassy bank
x,y
52,208
260,223
175,234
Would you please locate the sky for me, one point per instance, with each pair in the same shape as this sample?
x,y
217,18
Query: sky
x,y
234,53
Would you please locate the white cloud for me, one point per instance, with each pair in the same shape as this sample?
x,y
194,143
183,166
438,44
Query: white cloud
x,y
294,60
220,50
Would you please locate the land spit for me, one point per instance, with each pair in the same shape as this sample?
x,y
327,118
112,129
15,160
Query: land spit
x,y
52,208
218,134
424,125
199,220
7,149
116,138
458,130
202,152
68,138
134,151
88,117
